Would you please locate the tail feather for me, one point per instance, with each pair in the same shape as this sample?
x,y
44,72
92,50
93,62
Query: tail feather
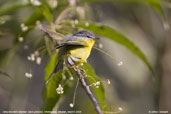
x,y
57,68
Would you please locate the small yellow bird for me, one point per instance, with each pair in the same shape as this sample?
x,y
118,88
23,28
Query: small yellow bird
x,y
74,50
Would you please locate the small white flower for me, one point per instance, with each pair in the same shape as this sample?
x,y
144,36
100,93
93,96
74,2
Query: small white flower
x,y
71,78
120,109
59,90
97,86
100,45
20,39
38,60
29,58
28,75
71,105
97,83
120,63
24,27
94,84
86,24
32,57
108,82
35,2
53,3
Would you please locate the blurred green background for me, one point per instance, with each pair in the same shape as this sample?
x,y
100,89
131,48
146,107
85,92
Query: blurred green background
x,y
133,86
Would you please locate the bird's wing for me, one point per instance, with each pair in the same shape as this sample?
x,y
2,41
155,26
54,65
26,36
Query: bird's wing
x,y
72,43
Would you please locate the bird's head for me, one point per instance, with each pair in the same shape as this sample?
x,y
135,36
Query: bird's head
x,y
86,34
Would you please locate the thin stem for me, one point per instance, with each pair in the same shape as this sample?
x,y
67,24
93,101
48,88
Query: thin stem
x,y
87,89
75,91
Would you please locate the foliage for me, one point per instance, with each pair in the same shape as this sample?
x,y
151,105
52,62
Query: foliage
x,y
117,37
63,24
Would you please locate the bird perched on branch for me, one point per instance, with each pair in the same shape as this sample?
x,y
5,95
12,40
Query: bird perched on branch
x,y
74,50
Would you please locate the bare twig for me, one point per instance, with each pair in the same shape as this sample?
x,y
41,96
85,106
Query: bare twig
x,y
87,89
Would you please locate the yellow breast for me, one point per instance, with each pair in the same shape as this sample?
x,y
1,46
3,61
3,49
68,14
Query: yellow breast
x,y
83,52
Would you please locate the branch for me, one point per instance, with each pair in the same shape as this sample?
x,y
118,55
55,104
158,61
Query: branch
x,y
87,89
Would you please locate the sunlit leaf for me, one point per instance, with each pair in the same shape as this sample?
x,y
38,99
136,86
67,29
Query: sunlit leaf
x,y
92,77
112,34
12,5
50,66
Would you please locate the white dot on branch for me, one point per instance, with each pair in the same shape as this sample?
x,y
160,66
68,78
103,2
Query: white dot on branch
x,y
29,58
108,82
38,60
71,105
97,86
120,63
59,90
28,75
20,39
32,57
100,45
97,83
120,109
23,27
71,78
35,2
53,3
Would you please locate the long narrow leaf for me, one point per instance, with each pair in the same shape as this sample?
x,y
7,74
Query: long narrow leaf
x,y
113,35
49,93
12,5
155,4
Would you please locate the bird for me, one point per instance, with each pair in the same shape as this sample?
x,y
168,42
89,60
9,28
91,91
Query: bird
x,y
74,50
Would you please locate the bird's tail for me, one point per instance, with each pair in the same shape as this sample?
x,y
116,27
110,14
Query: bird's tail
x,y
57,68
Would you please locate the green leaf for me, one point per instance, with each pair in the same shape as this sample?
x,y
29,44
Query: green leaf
x,y
112,34
99,92
12,5
155,4
4,19
49,94
6,56
46,12
36,15
30,21
50,66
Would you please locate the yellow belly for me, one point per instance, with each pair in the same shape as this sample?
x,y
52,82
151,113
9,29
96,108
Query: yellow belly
x,y
82,53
